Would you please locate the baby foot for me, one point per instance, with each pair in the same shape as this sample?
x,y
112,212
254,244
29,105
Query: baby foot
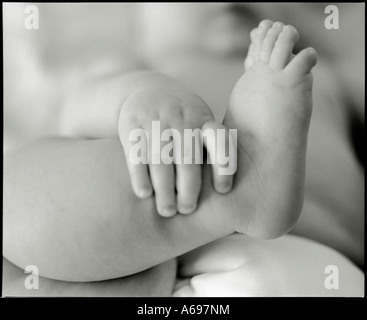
x,y
271,106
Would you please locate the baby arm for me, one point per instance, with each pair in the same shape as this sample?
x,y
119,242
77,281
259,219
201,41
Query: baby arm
x,y
92,109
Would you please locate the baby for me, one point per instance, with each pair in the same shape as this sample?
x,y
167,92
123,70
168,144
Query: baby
x,y
268,136
270,106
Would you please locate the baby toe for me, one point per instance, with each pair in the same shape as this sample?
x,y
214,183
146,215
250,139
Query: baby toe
x,y
248,63
269,41
283,47
257,38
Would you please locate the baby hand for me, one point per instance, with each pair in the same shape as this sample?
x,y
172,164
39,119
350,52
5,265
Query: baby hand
x,y
165,107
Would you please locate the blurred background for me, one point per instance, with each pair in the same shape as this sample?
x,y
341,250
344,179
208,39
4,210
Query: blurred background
x,y
79,41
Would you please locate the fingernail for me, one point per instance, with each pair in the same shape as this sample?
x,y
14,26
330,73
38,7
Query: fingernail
x,y
224,187
144,192
169,211
186,208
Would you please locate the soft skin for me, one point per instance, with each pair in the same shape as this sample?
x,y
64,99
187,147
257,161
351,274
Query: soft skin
x,y
81,220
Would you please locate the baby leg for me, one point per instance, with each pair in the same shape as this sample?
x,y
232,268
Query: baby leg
x,y
154,282
271,107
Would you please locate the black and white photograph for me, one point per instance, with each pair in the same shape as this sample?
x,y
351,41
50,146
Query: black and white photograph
x,y
183,149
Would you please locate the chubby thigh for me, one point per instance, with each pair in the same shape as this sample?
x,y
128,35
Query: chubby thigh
x,y
156,281
289,266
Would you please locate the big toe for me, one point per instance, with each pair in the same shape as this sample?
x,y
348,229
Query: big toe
x,y
303,62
